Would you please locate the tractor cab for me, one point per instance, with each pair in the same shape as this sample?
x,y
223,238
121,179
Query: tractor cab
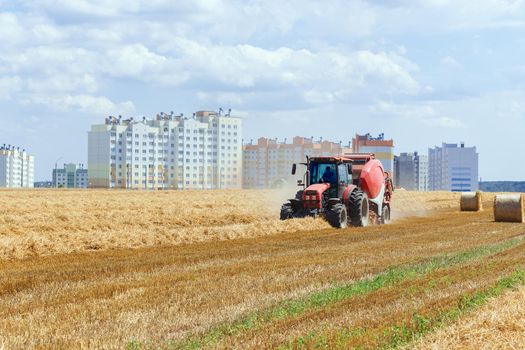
x,y
333,171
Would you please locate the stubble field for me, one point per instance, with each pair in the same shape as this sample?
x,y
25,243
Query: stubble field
x,y
216,269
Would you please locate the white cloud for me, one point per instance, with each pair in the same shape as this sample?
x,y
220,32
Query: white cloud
x,y
226,20
443,122
446,16
508,105
239,66
222,98
424,113
402,110
450,62
9,85
317,97
235,22
95,7
10,29
247,66
137,62
48,59
27,29
95,105
228,49
198,45
62,83
294,64
111,8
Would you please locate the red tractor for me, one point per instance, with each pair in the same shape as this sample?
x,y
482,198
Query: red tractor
x,y
353,189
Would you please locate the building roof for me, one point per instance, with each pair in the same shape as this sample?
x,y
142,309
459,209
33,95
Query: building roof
x,y
368,140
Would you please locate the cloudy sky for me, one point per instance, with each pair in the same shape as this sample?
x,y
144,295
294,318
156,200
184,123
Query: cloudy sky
x,y
422,72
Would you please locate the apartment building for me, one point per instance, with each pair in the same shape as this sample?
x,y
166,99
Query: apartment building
x,y
453,167
70,176
167,152
17,167
411,171
382,148
268,163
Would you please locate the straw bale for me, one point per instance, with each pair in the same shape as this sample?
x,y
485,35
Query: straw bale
x,y
471,201
509,207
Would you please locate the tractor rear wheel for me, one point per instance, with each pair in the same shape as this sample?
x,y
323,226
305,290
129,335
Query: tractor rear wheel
x,y
385,218
337,216
286,211
359,208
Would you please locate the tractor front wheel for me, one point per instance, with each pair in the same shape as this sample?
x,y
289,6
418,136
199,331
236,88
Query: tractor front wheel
x,y
359,208
286,211
337,216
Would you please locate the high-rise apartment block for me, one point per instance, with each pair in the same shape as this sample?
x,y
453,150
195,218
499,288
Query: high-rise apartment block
x,y
383,149
17,167
70,176
411,171
167,152
453,168
268,163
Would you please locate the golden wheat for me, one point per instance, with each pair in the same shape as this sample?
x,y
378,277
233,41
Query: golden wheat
x,y
498,325
50,222
43,222
107,297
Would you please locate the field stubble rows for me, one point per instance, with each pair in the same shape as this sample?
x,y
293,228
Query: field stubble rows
x,y
36,223
386,317
500,324
157,292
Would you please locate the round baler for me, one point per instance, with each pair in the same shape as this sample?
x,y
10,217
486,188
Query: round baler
x,y
356,191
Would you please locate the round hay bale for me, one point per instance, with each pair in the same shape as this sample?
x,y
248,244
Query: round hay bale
x,y
471,201
509,207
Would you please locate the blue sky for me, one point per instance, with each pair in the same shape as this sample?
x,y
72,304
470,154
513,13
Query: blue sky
x,y
422,72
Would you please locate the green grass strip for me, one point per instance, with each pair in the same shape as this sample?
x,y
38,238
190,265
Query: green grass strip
x,y
419,325
333,295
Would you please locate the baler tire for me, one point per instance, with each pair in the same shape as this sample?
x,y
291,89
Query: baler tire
x,y
337,216
286,211
359,208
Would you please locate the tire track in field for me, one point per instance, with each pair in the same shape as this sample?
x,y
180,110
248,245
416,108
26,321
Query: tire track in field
x,y
385,318
105,299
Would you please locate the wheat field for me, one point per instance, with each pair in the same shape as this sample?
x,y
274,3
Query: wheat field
x,y
217,269
43,222
498,325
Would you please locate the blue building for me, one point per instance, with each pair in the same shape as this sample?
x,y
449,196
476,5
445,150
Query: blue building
x,y
453,167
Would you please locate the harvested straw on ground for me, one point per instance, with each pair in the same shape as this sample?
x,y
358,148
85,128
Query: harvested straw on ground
x,y
509,207
471,201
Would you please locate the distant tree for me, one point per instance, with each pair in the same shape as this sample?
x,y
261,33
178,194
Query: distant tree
x,y
502,186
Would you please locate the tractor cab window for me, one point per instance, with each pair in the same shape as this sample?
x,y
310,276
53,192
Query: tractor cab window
x,y
323,172
342,170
